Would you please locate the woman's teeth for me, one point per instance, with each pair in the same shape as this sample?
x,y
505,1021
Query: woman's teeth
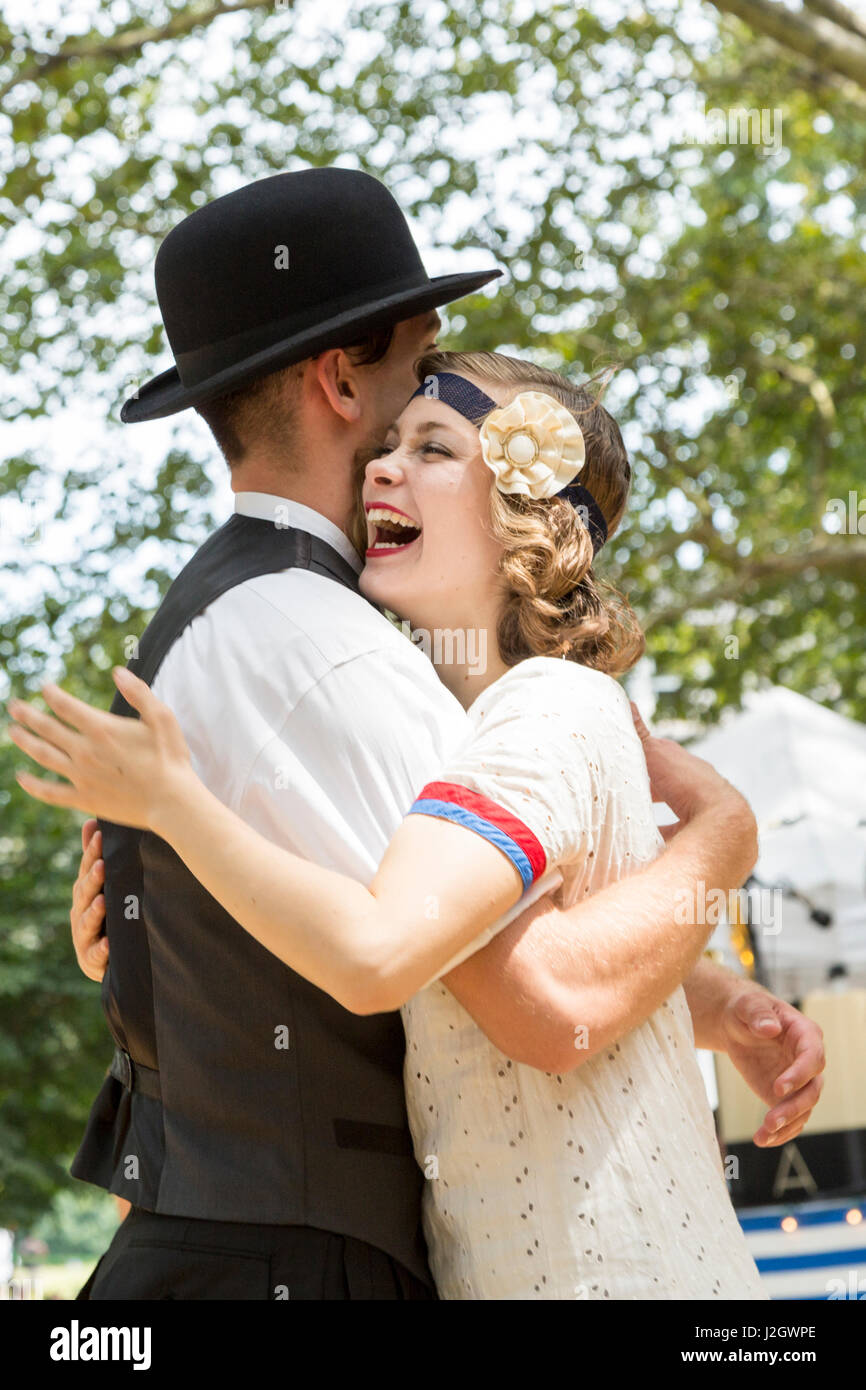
x,y
393,530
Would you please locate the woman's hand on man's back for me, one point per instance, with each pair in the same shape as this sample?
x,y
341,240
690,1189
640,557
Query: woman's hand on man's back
x,y
87,915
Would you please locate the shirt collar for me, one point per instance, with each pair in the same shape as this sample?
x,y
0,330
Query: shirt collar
x,y
264,506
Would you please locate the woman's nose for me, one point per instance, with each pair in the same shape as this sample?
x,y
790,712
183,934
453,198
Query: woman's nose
x,y
385,471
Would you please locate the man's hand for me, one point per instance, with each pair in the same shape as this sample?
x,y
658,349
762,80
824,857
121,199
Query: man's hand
x,y
780,1053
689,784
88,906
776,1049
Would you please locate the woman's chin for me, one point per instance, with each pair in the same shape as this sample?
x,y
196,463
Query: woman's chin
x,y
378,589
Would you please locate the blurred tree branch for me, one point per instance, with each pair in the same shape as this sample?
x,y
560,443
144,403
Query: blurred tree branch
x,y
839,14
126,43
826,32
837,555
765,52
805,376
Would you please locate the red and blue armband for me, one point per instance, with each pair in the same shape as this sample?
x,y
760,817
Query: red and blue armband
x,y
450,801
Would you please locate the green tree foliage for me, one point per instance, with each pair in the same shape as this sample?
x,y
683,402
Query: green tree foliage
x,y
725,279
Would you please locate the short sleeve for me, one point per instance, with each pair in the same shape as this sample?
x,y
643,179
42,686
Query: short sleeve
x,y
529,779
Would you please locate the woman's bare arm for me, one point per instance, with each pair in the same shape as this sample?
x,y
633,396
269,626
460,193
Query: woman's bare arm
x,y
370,948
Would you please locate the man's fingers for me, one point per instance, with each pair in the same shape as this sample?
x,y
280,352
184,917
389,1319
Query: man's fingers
x,y
643,731
755,1012
794,1108
782,1136
810,1062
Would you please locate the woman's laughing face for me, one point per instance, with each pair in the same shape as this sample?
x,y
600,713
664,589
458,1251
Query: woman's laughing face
x,y
430,555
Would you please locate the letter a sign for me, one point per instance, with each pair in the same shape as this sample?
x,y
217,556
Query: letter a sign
x,y
793,1172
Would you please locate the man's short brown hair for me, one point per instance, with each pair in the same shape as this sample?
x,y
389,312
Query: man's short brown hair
x,y
262,409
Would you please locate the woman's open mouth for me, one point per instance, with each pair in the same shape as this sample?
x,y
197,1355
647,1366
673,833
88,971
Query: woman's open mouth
x,y
391,530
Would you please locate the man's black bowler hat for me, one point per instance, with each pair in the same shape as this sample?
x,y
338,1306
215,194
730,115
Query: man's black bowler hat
x,y
279,271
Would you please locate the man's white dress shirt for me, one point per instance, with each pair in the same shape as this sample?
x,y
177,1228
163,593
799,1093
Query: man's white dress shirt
x,y
305,710
308,713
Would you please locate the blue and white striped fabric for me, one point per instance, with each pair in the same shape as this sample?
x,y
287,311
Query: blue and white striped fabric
x,y
823,1256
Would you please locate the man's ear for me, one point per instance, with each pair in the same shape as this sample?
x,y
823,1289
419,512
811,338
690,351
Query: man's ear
x,y
337,378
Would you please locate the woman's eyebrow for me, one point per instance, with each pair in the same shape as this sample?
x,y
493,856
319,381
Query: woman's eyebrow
x,y
417,429
432,425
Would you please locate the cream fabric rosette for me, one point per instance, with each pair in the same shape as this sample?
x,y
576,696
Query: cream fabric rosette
x,y
533,445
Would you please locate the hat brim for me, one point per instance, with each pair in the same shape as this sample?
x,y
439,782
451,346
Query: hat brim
x,y
166,394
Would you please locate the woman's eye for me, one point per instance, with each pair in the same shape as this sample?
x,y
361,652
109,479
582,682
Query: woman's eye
x,y
437,449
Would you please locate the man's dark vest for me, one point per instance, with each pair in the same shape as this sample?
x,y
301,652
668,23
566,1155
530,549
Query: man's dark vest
x,y
239,1091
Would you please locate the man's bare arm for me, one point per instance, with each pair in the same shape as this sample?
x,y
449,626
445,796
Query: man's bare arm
x,y
604,966
555,987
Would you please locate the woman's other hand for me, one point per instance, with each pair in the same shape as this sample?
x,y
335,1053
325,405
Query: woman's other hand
x,y
87,915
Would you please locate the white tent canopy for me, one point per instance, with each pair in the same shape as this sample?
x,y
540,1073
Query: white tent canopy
x,y
803,770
